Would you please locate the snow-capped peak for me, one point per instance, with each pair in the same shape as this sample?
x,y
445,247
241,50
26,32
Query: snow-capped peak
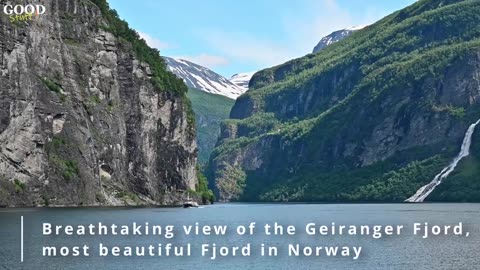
x,y
202,78
242,79
336,37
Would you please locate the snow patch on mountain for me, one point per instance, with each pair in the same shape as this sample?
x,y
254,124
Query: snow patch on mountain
x,y
335,37
242,79
202,78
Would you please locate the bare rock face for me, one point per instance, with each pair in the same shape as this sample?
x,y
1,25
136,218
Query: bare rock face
x,y
81,122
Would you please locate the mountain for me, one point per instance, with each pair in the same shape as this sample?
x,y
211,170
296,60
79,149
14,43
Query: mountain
x,y
89,114
242,79
210,110
373,117
335,37
202,78
212,97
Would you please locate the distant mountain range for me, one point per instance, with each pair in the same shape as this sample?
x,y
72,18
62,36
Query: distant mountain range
x,y
335,37
202,78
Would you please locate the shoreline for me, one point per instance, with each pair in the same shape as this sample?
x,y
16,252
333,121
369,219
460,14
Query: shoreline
x,y
220,203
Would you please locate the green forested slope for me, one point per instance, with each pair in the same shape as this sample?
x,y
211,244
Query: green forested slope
x,y
370,118
210,110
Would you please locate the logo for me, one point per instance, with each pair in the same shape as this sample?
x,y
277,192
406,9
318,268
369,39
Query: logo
x,y
23,12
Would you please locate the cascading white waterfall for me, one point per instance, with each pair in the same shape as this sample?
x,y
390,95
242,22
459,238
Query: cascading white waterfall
x,y
424,191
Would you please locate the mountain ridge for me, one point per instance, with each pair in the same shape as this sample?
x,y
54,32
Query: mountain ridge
x,y
202,78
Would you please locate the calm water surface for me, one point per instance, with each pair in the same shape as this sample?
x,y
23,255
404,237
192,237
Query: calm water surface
x,y
399,252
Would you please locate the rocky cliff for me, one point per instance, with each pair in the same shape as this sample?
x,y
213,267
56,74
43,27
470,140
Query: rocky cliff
x,y
89,115
370,118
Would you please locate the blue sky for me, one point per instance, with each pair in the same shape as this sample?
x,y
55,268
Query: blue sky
x,y
240,36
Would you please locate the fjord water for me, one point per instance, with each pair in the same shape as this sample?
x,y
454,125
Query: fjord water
x,y
388,252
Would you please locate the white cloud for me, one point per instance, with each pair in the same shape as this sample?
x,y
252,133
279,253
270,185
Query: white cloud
x,y
300,34
203,59
153,42
324,17
247,48
206,60
295,35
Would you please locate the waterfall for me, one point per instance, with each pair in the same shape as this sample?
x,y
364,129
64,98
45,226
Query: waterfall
x,y
424,191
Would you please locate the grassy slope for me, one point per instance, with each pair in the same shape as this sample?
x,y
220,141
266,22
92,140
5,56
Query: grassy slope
x,y
210,110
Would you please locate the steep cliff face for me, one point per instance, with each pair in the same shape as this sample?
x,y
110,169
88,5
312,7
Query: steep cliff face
x,y
84,120
370,118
